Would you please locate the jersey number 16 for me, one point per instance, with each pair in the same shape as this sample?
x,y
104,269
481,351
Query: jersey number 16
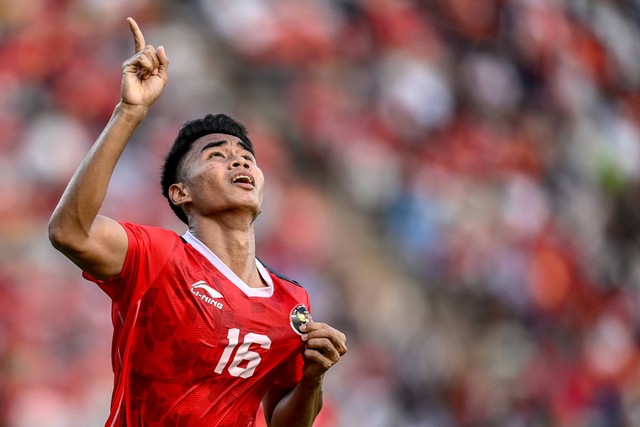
x,y
242,354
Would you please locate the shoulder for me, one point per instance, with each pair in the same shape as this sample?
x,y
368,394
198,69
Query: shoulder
x,y
280,276
145,237
149,231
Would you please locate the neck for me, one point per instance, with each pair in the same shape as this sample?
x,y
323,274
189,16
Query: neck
x,y
233,243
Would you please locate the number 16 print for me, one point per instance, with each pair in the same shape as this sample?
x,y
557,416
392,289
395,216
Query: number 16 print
x,y
243,353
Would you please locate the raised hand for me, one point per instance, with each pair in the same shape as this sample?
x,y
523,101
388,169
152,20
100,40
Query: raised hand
x,y
324,346
144,75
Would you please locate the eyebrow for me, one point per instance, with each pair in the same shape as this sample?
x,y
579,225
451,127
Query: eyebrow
x,y
214,144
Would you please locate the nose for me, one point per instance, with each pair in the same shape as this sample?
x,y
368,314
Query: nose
x,y
240,162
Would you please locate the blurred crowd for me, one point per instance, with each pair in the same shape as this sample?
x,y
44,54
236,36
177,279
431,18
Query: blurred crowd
x,y
456,183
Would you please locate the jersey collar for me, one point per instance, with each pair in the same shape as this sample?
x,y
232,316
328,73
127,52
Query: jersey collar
x,y
266,291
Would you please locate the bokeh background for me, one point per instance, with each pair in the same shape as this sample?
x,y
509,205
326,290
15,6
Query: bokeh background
x,y
456,183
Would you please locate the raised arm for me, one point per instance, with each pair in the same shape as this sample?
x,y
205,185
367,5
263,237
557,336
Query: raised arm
x,y
97,244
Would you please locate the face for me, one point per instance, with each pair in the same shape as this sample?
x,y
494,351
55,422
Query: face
x,y
218,175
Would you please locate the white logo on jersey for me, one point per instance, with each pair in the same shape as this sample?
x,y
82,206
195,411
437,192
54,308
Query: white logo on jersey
x,y
206,289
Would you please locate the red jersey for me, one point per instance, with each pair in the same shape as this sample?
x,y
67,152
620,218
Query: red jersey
x,y
193,344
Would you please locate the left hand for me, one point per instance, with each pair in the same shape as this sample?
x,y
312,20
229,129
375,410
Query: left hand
x,y
324,346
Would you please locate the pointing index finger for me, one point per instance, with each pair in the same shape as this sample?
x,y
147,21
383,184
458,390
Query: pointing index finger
x,y
138,38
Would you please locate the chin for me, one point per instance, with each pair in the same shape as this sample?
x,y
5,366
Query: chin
x,y
249,208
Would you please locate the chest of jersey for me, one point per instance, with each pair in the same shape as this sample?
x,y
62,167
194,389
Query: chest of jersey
x,y
195,325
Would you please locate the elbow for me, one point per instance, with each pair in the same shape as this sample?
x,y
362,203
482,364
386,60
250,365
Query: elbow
x,y
62,238
57,235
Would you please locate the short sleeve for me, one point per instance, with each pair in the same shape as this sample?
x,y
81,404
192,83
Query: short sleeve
x,y
149,248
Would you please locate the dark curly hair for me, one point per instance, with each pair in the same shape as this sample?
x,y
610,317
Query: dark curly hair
x,y
188,134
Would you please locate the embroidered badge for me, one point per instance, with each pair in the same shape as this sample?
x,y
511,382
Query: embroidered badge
x,y
299,316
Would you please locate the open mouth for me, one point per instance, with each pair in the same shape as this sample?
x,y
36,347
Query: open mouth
x,y
243,179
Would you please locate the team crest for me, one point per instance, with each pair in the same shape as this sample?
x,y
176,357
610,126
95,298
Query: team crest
x,y
299,316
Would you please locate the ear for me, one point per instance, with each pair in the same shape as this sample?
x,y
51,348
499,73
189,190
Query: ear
x,y
179,194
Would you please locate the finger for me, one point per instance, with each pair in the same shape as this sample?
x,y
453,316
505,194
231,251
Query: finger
x,y
149,52
138,38
319,326
163,60
314,326
319,359
338,344
337,338
324,346
145,66
132,65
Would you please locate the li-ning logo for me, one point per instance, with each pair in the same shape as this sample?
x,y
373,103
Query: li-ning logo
x,y
206,293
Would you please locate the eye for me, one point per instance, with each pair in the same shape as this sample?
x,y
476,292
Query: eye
x,y
248,157
215,154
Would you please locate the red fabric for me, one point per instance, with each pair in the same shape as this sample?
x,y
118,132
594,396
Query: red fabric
x,y
169,344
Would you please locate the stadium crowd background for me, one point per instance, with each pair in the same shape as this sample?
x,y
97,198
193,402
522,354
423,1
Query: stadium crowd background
x,y
456,183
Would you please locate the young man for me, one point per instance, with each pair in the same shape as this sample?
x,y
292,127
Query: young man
x,y
202,330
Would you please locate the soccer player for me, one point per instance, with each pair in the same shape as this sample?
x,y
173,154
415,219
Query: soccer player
x,y
203,332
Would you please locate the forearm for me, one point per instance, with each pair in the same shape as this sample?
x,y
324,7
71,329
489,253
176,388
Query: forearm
x,y
300,407
83,197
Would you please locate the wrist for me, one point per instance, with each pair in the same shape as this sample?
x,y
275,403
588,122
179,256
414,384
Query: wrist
x,y
312,383
132,112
